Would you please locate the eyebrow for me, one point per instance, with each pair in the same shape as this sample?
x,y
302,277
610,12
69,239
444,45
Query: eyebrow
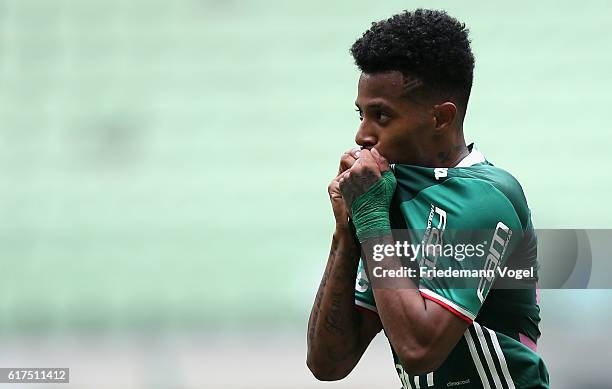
x,y
375,106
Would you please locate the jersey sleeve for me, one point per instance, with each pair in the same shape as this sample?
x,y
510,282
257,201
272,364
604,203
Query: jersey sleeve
x,y
364,297
476,229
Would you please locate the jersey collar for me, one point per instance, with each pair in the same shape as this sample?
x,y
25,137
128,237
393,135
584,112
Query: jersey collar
x,y
472,158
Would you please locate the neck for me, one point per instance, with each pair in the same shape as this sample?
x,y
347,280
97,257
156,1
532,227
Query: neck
x,y
452,154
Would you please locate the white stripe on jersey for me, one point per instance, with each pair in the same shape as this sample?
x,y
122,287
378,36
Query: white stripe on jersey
x,y
403,376
448,302
485,350
430,381
476,359
502,359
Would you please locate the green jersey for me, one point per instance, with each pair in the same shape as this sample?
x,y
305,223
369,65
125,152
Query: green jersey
x,y
479,204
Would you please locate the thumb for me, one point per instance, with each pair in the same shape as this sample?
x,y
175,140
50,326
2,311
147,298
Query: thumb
x,y
383,164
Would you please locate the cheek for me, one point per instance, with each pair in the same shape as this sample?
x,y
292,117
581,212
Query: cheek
x,y
403,144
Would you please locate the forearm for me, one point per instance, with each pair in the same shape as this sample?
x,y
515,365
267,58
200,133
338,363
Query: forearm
x,y
420,336
334,344
402,310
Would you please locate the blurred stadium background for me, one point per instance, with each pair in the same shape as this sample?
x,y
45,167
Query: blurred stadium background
x,y
163,173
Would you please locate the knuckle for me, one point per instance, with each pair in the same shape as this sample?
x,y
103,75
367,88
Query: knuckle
x,y
371,168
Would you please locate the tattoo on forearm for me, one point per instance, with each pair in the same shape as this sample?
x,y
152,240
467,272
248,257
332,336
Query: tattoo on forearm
x,y
333,320
319,297
351,344
315,313
340,319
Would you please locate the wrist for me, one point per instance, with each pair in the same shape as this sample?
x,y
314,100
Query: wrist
x,y
370,211
377,224
345,239
343,228
343,234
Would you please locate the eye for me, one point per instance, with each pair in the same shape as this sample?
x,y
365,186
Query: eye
x,y
382,117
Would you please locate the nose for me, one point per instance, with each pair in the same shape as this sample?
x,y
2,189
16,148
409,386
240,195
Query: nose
x,y
364,137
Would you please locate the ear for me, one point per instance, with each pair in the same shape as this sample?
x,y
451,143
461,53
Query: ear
x,y
444,115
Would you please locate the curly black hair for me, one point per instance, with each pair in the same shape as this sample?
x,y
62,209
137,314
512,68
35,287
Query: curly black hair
x,y
425,44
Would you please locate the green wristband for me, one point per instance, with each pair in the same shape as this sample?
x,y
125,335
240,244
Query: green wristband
x,y
371,210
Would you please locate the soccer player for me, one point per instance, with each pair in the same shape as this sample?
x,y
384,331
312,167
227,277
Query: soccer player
x,y
416,76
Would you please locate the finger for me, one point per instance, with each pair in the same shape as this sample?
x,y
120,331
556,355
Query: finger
x,y
365,160
346,161
341,184
355,152
333,185
343,179
365,155
339,177
382,162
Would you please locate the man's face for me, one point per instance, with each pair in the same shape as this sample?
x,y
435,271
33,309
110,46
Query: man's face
x,y
400,128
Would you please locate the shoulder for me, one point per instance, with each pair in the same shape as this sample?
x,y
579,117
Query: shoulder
x,y
473,203
501,185
477,193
